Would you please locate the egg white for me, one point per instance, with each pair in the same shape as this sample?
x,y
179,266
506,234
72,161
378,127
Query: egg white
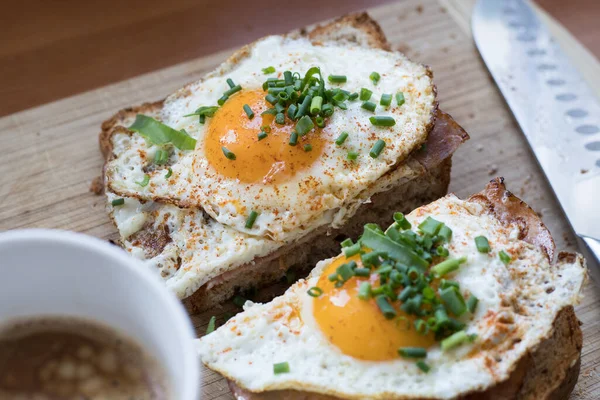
x,y
312,196
246,347
199,248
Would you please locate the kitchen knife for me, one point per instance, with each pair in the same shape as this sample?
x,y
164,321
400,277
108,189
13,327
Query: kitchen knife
x,y
554,106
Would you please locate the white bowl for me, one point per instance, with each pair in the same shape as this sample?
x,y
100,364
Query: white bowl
x,y
48,272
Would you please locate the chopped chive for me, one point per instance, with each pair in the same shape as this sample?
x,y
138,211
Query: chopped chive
x,y
270,111
222,100
368,105
230,83
333,277
308,147
365,94
422,365
248,111
268,70
304,107
401,220
352,250
117,202
211,325
447,266
287,78
386,308
271,99
232,90
169,173
145,181
442,251
353,96
430,226
352,155
281,368
455,340
161,157
345,271
472,303
319,121
315,105
412,352
337,78
279,108
421,327
364,272
380,120
482,244
315,291
239,301
228,153
280,119
386,100
371,259
304,125
364,291
262,135
283,97
347,242
275,90
250,220
327,110
447,283
504,257
293,139
377,148
445,233
291,111
454,301
341,139
400,98
375,77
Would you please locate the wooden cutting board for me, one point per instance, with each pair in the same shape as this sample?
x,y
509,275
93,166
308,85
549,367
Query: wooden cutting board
x,y
50,153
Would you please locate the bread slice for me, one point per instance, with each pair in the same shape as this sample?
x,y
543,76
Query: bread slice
x,y
423,177
551,368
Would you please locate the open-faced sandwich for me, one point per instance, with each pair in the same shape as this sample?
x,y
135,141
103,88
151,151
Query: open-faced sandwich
x,y
458,299
260,166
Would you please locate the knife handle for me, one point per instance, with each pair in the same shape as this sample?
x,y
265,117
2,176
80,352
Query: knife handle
x,y
591,251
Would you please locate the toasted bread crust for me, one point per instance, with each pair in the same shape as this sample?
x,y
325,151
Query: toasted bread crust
x,y
371,33
509,209
549,371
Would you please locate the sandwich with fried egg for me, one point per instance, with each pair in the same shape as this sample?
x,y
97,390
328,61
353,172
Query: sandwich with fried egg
x,y
267,163
460,299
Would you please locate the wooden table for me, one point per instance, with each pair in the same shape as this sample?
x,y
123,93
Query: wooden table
x,y
54,49
50,154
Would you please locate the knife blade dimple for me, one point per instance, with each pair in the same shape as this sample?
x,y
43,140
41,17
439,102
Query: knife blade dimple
x,y
556,109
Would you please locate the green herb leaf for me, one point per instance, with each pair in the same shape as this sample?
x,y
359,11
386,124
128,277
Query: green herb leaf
x,y
158,133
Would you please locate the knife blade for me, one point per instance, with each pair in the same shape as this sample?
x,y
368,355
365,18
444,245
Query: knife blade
x,y
556,109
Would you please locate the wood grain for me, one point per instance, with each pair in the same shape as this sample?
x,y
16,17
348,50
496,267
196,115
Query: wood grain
x,y
50,153
53,49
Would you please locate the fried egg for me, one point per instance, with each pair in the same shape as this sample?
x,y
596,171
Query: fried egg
x,y
340,345
293,190
185,247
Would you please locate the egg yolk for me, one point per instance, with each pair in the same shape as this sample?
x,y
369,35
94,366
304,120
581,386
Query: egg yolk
x,y
357,327
270,160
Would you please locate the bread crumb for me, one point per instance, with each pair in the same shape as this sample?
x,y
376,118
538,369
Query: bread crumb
x,y
584,171
97,186
420,9
403,48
